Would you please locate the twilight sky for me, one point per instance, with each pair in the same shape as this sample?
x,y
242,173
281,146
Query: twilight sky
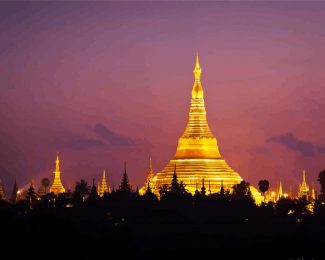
x,y
107,82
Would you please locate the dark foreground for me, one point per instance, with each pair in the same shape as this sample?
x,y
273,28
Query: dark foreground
x,y
148,228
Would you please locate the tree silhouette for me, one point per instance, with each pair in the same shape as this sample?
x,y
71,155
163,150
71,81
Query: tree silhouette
x,y
13,198
81,190
45,183
125,185
321,180
263,186
222,189
163,190
242,190
93,193
174,186
31,195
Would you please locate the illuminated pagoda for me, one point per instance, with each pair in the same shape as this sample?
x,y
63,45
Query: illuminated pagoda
x,y
57,186
197,156
149,180
303,187
103,186
313,193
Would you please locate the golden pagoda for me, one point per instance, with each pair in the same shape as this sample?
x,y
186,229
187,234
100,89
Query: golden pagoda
x,y
313,193
103,187
57,186
303,187
197,155
149,180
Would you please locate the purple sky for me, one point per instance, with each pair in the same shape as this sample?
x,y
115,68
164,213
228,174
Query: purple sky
x,y
107,82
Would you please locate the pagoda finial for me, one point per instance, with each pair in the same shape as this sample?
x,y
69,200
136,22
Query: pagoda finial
x,y
104,174
280,193
57,163
150,163
197,69
304,176
197,90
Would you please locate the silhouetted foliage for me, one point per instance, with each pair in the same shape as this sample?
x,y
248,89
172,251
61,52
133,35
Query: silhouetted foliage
x,y
296,208
46,183
321,180
263,185
31,195
93,193
174,186
242,190
222,189
125,185
163,189
13,198
81,191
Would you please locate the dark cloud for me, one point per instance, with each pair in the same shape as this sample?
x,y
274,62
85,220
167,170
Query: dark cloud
x,y
104,139
85,143
293,143
111,137
321,149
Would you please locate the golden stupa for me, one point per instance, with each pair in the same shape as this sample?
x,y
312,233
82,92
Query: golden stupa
x,y
57,186
197,156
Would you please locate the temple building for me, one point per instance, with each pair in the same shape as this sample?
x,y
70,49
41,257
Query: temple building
x,y
57,186
103,187
197,155
149,180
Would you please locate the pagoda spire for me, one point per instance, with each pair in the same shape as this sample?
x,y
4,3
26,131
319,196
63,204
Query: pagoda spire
x,y
313,193
303,187
197,140
57,163
197,91
103,188
280,193
149,179
57,186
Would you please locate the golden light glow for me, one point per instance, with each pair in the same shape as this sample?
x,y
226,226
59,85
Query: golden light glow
x,y
197,155
57,186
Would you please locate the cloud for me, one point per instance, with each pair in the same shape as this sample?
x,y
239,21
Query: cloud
x,y
85,143
111,137
104,138
293,143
